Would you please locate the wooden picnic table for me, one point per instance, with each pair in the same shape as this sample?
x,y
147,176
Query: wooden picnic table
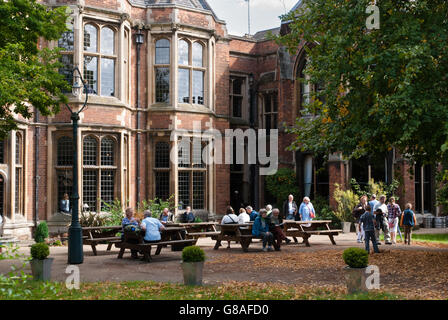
x,y
200,229
305,229
105,234
241,233
170,236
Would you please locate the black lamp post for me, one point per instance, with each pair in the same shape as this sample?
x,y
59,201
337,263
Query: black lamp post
x,y
75,250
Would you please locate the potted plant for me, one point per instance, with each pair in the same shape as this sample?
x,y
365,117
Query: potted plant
x,y
192,264
346,200
40,264
357,260
41,232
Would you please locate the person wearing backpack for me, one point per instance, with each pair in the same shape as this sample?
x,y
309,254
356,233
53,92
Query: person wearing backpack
x,y
408,220
229,218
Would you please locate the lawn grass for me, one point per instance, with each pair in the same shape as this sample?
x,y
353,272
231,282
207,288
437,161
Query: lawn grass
x,y
436,238
440,238
147,290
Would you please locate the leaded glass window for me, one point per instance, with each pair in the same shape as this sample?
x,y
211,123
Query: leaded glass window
x,y
100,59
237,95
162,71
191,73
2,151
162,170
65,151
18,192
100,171
192,174
66,43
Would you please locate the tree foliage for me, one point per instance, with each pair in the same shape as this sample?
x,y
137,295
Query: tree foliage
x,y
383,88
29,75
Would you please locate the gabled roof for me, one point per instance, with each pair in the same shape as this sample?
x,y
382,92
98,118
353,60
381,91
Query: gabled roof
x,y
298,5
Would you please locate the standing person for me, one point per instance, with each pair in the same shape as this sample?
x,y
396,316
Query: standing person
x,y
260,229
290,209
129,220
394,212
382,222
252,213
373,202
243,217
166,216
367,220
306,210
65,204
229,218
269,209
358,211
408,220
152,228
276,222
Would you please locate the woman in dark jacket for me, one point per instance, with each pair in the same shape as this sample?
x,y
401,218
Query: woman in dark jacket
x,y
260,229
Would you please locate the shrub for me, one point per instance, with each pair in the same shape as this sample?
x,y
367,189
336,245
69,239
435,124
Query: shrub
x,y
193,254
40,251
156,206
115,212
90,219
356,257
41,232
346,200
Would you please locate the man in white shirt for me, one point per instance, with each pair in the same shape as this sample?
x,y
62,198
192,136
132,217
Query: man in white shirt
x,y
384,221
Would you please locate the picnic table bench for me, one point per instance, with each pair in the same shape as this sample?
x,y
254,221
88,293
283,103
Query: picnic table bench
x,y
200,229
105,234
241,233
305,229
171,236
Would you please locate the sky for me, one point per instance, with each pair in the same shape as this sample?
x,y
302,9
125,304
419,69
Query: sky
x,y
264,14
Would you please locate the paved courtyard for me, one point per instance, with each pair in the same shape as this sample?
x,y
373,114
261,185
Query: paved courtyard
x,y
319,265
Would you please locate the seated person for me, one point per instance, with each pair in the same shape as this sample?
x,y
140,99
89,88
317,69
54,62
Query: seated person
x,y
260,229
152,228
65,204
276,229
166,216
187,216
129,220
229,218
252,213
243,217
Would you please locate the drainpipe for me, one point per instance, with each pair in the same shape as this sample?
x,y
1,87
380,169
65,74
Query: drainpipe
x,y
253,88
139,39
36,167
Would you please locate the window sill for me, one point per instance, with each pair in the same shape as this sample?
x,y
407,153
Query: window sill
x,y
99,100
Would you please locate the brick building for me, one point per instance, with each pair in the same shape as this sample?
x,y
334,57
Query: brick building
x,y
144,96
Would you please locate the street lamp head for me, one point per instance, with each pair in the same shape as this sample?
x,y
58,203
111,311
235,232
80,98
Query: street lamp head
x,y
139,38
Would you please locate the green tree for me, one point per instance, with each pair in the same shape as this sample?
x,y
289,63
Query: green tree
x,y
282,184
383,88
28,75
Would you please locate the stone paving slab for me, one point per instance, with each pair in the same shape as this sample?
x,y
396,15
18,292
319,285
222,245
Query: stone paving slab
x,y
166,266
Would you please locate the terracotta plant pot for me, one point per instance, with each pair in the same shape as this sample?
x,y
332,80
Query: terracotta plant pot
x,y
192,273
41,269
355,279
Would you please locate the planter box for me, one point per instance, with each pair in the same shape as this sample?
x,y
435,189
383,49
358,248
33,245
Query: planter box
x,y
346,227
41,269
355,279
192,273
